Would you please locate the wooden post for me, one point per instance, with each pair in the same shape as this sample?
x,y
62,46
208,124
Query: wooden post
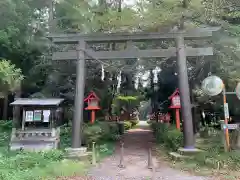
x,y
223,136
178,119
150,163
93,154
92,116
226,121
121,164
23,119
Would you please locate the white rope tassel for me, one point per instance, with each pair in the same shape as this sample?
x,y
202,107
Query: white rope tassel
x,y
103,75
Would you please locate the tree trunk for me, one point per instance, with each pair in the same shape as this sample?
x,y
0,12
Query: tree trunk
x,y
16,110
119,5
5,108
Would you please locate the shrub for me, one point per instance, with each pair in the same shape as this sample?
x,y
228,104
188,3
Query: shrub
x,y
110,131
173,139
92,133
149,121
168,135
101,131
127,125
134,122
5,125
160,131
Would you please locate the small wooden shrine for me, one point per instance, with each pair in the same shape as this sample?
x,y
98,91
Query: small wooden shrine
x,y
92,104
38,127
176,104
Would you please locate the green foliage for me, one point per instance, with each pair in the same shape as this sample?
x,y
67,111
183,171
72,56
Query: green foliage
x,y
101,132
127,125
134,122
10,77
214,157
20,165
169,136
5,125
104,150
127,98
36,166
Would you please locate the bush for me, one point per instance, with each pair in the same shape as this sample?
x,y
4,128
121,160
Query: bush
x,y
110,131
174,139
101,131
168,135
134,122
149,121
5,125
92,133
20,165
127,125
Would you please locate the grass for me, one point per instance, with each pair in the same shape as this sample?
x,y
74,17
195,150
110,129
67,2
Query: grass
x,y
19,165
213,162
105,149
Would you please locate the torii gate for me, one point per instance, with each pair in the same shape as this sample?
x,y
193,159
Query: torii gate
x,y
83,53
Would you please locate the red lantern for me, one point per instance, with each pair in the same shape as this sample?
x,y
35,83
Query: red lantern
x,y
92,101
175,99
176,104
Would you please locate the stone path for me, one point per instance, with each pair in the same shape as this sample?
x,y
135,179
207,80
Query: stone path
x,y
136,145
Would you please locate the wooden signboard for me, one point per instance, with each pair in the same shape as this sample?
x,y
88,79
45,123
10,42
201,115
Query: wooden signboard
x,y
226,111
230,126
37,115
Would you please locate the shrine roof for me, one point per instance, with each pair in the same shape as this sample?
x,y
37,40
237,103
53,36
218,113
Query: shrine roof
x,y
176,92
92,95
37,102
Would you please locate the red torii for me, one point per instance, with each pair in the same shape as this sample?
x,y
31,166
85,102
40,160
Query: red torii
x,y
92,100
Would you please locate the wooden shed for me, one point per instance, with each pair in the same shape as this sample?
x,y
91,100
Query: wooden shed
x,y
38,127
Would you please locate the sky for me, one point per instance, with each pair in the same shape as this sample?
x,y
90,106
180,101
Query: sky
x,y
129,2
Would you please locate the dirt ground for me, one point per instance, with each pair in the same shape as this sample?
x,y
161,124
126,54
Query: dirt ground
x,y
136,147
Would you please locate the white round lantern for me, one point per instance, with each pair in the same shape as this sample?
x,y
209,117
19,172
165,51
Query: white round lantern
x,y
237,90
212,85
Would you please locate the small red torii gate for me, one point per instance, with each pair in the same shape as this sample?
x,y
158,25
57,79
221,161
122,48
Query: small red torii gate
x,y
92,100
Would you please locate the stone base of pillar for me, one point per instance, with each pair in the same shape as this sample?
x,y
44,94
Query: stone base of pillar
x,y
188,152
77,153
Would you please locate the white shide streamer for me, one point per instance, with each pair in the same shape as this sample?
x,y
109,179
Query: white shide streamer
x,y
103,74
119,80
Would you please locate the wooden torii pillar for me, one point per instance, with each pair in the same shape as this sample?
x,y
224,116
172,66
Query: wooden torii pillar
x,y
82,53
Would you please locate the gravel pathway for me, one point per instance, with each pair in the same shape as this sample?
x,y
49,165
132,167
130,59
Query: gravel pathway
x,y
136,145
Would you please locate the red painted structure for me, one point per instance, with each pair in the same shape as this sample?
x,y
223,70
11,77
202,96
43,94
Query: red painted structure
x,y
92,101
176,104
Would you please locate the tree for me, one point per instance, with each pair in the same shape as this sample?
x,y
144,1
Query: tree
x,y
10,81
